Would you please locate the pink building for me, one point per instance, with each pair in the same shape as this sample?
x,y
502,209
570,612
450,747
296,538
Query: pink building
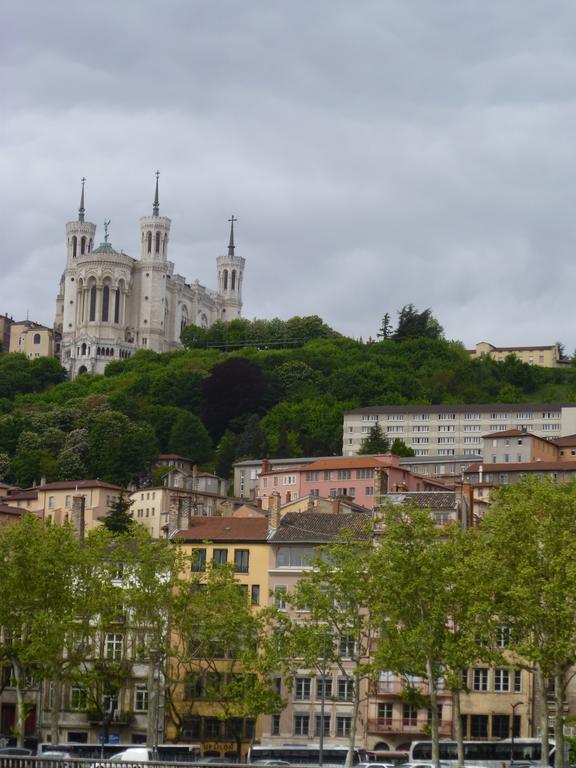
x,y
351,476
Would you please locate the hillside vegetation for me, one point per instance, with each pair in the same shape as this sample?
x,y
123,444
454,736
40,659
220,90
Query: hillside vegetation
x,y
217,406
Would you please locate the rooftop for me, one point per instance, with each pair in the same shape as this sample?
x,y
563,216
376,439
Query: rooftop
x,y
320,527
528,466
425,499
241,529
462,408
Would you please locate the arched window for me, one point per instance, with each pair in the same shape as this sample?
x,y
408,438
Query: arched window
x,y
74,246
92,314
105,303
90,245
233,286
165,242
117,305
36,338
149,238
83,349
157,246
83,246
225,283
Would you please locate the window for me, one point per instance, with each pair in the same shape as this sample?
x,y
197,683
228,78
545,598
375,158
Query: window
x,y
323,687
364,474
385,713
501,680
113,646
302,688
301,725
446,428
294,557
312,476
318,725
275,728
105,303
255,594
141,698
347,646
369,490
51,502
480,680
343,725
345,689
479,726
409,714
502,636
500,726
280,591
78,699
518,681
344,474
471,417
446,416
199,560
446,452
289,480
495,416
211,727
241,559
220,556
446,440
424,428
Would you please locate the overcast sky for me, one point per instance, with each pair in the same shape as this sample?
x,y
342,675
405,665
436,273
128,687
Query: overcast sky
x,y
375,152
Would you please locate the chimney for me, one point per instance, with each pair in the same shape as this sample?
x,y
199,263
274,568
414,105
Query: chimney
x,y
259,503
480,473
335,506
274,510
265,467
79,516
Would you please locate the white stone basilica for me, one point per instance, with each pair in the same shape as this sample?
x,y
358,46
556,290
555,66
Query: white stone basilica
x,y
109,304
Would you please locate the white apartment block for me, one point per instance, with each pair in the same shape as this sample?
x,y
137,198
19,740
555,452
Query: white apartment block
x,y
455,430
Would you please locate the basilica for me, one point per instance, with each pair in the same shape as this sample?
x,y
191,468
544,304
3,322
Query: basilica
x,y
110,304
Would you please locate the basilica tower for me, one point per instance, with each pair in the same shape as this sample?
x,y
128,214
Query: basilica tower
x,y
230,278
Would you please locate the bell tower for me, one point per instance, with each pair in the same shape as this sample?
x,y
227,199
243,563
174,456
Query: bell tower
x,y
230,278
154,233
79,234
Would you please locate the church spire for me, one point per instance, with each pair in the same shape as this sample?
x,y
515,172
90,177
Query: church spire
x,y
231,245
81,210
156,206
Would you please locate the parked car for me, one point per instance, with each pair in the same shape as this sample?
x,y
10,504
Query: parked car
x,y
21,751
270,762
128,755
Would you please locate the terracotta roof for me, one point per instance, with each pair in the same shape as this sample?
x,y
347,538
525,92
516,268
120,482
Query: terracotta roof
x,y
320,527
562,441
515,433
243,529
73,484
345,462
529,466
6,509
426,499
175,456
462,408
519,349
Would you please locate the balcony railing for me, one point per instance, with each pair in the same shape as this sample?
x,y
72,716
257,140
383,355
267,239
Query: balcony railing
x,y
397,686
407,725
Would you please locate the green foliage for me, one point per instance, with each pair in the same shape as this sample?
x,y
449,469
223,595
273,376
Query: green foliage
x,y
119,519
190,438
413,324
376,442
120,450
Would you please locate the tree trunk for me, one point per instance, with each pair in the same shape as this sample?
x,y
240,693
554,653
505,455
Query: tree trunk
x,y
559,719
458,733
355,710
541,685
434,712
152,704
20,706
55,710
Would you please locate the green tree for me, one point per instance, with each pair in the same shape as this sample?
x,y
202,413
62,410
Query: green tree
x,y
376,442
119,519
189,437
386,329
4,466
215,654
413,324
226,454
38,566
120,450
526,552
399,448
335,627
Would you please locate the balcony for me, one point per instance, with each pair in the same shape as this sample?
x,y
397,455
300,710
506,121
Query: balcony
x,y
407,726
396,687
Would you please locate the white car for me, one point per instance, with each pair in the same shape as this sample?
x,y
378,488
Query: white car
x,y
128,755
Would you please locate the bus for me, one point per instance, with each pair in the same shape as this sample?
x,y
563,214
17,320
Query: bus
x,y
485,753
170,753
303,754
386,756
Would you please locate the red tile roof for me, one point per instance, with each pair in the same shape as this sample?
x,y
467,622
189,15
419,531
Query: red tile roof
x,y
529,466
241,529
563,441
345,462
515,433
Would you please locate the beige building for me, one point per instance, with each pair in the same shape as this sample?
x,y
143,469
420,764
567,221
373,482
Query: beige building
x,y
447,431
546,356
31,339
62,501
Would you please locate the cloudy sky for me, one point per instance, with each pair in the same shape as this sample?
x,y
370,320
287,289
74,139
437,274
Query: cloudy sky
x,y
375,152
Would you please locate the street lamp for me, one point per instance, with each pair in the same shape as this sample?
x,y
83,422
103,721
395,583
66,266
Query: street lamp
x,y
517,704
322,700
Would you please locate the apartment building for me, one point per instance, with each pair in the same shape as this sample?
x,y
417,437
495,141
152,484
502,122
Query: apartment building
x,y
548,356
448,431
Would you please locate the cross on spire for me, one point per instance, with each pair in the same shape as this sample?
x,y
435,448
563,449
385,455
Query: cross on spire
x,y
231,245
156,206
81,209
106,225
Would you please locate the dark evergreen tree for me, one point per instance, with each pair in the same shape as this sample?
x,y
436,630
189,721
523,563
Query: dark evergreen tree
x,y
119,519
376,442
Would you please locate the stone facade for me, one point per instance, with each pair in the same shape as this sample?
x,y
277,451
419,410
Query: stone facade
x,y
110,304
